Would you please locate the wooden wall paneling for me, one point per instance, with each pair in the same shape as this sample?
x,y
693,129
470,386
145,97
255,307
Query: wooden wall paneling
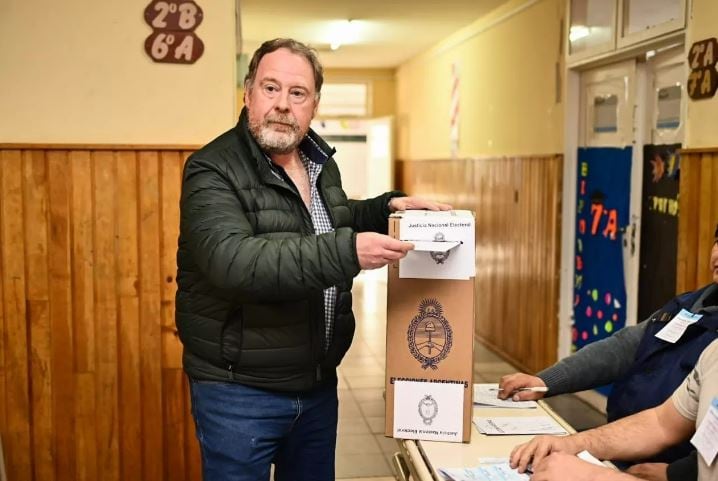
x,y
496,234
80,172
106,387
86,435
552,256
170,175
712,219
530,204
17,430
129,333
193,459
3,400
173,424
35,215
506,246
61,314
483,266
706,223
689,195
174,403
525,287
83,303
150,315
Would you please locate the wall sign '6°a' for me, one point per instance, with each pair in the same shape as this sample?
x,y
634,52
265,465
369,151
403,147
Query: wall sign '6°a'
x,y
173,39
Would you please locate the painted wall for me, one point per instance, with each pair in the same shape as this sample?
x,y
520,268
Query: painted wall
x,y
76,71
508,64
701,129
382,87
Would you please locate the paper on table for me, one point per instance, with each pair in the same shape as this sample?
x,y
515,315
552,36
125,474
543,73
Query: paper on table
x,y
486,397
491,472
518,425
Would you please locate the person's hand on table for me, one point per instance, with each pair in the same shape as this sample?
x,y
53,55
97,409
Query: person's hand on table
x,y
534,451
559,466
415,203
509,387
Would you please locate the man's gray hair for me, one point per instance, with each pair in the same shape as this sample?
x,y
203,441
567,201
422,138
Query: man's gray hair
x,y
293,46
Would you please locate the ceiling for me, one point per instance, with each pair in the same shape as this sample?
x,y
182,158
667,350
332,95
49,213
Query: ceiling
x,y
382,34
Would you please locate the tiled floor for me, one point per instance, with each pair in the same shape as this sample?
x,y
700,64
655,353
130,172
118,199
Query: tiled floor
x,y
363,453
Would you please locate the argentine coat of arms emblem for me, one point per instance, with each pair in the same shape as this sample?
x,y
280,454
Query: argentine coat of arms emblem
x,y
428,409
429,336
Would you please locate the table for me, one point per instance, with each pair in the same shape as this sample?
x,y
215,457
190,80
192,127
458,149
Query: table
x,y
421,459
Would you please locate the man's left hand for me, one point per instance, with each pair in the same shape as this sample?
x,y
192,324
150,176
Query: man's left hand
x,y
650,471
415,203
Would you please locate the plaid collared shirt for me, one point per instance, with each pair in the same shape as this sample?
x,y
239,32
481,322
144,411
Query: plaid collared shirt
x,y
322,224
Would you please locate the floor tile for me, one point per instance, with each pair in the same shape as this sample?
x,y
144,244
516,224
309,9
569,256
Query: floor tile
x,y
353,425
372,370
370,394
349,408
362,466
372,408
387,445
363,382
376,424
357,444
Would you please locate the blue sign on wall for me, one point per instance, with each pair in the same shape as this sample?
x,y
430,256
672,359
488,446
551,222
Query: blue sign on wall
x,y
603,203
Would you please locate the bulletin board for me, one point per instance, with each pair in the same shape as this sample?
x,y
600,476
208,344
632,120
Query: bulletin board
x,y
659,227
603,202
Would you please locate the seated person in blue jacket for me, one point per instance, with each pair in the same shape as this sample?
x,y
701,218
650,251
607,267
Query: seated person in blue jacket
x,y
645,371
690,413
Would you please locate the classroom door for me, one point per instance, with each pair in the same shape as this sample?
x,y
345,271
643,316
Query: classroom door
x,y
603,241
661,165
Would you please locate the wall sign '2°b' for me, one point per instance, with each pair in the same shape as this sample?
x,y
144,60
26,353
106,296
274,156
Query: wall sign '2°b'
x,y
173,39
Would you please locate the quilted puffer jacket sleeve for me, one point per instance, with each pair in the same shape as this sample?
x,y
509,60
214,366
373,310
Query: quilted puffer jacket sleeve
x,y
372,214
224,247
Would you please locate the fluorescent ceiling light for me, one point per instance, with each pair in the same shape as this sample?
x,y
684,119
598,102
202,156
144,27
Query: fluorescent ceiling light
x,y
342,32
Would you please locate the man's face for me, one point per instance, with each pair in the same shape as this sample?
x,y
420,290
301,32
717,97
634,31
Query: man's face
x,y
714,262
281,102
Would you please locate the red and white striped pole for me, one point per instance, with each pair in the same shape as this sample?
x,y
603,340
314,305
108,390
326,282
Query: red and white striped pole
x,y
454,112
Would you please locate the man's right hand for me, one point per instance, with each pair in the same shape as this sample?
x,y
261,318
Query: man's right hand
x,y
377,250
534,451
511,384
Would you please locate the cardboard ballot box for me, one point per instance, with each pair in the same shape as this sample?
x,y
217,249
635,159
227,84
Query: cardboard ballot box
x,y
430,327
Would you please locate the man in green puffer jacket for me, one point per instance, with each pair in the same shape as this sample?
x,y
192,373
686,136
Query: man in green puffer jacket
x,y
269,245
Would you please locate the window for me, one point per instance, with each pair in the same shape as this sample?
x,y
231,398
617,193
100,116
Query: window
x,y
344,100
605,114
669,107
592,27
645,19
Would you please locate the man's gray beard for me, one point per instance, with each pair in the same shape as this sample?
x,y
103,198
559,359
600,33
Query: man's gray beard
x,y
273,142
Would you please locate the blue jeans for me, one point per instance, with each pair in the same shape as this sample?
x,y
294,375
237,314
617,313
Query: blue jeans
x,y
243,430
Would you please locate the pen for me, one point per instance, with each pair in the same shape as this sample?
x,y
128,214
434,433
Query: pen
x,y
529,389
